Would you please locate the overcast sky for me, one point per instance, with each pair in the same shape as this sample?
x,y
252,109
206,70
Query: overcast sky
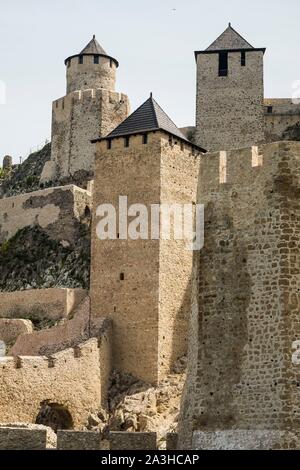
x,y
154,42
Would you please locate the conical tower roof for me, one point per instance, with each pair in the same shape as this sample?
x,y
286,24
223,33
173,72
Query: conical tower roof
x,y
93,47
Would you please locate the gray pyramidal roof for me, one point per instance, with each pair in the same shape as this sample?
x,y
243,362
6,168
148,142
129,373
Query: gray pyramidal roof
x,y
230,39
148,117
93,47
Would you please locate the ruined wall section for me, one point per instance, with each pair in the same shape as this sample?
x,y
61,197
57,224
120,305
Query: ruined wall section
x,y
280,116
75,379
247,278
58,211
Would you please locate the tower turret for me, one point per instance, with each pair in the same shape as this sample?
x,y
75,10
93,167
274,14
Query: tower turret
x,y
230,91
90,108
91,68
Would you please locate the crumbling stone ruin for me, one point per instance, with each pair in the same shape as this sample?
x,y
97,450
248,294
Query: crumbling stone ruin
x,y
142,343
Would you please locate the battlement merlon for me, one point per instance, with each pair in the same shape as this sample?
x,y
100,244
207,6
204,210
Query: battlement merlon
x,y
247,166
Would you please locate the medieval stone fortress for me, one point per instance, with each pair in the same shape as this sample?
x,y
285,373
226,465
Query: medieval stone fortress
x,y
143,344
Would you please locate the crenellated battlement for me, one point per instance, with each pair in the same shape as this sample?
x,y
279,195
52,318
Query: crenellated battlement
x,y
39,363
244,167
76,378
79,117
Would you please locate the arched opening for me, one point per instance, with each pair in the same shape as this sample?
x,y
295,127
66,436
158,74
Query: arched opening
x,y
54,416
87,212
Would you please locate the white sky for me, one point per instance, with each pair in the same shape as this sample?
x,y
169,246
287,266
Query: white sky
x,y
154,45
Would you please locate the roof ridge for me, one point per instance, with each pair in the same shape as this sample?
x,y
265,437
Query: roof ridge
x,y
236,32
229,27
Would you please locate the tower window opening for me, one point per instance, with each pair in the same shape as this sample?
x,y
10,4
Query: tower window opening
x,y
223,64
243,58
96,59
270,109
170,140
145,138
80,59
108,144
122,277
126,141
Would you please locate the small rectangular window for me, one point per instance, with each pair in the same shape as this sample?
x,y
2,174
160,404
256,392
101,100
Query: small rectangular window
x,y
108,144
122,277
170,140
126,141
80,59
145,138
243,58
96,59
270,109
223,64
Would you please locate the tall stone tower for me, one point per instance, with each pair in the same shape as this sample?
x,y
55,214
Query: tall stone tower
x,y
90,108
230,92
143,282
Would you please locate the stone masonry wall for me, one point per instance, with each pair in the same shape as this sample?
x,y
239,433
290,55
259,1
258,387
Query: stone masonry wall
x,y
179,180
75,379
229,110
133,302
284,114
241,374
78,118
57,211
143,284
50,303
90,75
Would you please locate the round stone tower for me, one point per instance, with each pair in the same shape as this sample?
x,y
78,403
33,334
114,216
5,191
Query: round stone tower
x,y
92,68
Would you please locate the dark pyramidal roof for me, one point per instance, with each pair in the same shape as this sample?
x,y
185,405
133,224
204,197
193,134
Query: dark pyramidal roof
x,y
93,47
229,39
148,117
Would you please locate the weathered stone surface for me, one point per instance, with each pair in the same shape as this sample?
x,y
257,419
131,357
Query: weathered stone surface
x,y
230,111
245,314
246,440
11,329
153,324
22,439
132,441
78,440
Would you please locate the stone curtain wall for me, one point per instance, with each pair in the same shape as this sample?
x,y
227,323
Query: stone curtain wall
x,y
230,110
54,304
74,378
241,374
12,438
57,211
